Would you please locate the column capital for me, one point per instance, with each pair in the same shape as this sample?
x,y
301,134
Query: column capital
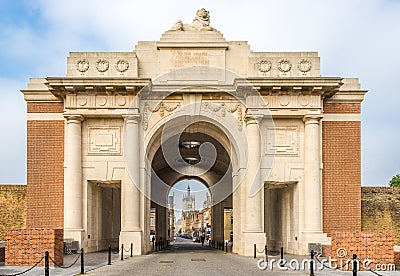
x,y
74,118
312,119
131,118
253,119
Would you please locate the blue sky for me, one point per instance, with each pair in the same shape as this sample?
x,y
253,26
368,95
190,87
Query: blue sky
x,y
197,189
354,38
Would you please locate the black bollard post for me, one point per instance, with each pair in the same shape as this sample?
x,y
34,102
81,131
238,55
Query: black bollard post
x,y
46,263
355,265
226,246
131,249
266,253
155,243
255,251
82,262
109,254
281,264
312,264
122,252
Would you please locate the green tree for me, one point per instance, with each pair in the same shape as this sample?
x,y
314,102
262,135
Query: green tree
x,y
395,181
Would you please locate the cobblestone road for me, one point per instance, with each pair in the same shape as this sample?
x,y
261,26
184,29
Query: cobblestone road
x,y
183,258
187,258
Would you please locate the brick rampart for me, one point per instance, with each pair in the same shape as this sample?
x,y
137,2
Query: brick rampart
x,y
27,246
12,207
377,247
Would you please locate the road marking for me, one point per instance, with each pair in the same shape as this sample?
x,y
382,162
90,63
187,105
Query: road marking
x,y
166,262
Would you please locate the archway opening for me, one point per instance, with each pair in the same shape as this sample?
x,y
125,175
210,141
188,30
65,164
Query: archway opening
x,y
191,202
207,209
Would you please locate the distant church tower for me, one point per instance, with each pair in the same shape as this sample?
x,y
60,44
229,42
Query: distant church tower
x,y
188,201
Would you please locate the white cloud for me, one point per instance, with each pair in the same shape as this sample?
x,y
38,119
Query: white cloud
x,y
13,129
354,38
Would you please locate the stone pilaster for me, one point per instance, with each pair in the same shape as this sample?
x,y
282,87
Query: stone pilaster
x,y
312,223
130,193
253,228
312,174
73,188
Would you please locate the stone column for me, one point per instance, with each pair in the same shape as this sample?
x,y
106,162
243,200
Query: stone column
x,y
130,193
73,188
312,175
253,228
253,202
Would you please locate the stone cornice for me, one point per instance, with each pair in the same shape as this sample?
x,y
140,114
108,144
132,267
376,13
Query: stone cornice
x,y
324,86
68,85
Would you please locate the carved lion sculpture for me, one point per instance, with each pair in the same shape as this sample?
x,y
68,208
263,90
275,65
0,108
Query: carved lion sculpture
x,y
202,20
200,23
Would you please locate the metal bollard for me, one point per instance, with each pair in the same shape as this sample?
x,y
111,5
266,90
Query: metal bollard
x,y
82,262
46,263
266,253
109,254
131,249
122,252
226,246
255,251
155,243
312,263
355,265
281,264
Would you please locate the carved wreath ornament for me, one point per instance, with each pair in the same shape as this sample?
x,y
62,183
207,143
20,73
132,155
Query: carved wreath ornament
x,y
304,65
82,65
102,65
284,65
122,65
264,66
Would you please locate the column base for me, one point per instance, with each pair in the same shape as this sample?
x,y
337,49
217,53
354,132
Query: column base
x,y
75,234
312,237
246,247
134,237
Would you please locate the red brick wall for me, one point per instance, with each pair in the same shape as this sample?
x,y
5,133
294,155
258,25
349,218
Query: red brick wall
x,y
342,108
45,170
341,174
45,107
374,246
27,246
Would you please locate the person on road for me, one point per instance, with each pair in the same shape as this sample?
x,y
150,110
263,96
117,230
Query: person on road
x,y
202,238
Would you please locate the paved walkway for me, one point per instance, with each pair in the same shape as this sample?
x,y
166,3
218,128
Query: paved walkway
x,y
183,258
92,261
187,258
